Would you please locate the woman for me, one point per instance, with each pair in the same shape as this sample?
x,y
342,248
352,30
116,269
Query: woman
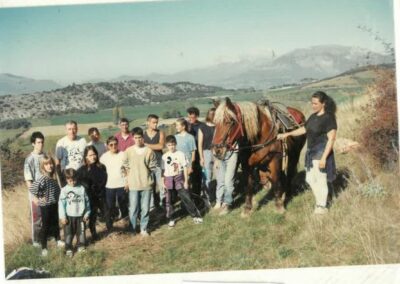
x,y
320,129
93,176
205,134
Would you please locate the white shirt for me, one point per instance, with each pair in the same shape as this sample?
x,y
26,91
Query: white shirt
x,y
114,165
173,163
70,152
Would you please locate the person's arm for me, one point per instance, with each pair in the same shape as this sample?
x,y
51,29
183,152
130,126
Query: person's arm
x,y
186,177
125,169
201,154
61,208
87,207
296,132
328,148
57,159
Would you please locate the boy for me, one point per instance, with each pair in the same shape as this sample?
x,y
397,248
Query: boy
x,y
140,162
73,211
31,174
94,135
175,176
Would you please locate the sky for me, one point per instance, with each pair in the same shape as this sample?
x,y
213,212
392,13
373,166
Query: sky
x,y
85,42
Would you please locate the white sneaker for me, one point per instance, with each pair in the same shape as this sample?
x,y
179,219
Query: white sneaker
x,y
224,209
320,210
36,244
217,206
69,253
198,220
81,249
171,223
144,234
60,244
44,252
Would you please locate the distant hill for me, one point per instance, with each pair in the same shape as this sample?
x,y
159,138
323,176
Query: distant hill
x,y
90,97
315,62
12,84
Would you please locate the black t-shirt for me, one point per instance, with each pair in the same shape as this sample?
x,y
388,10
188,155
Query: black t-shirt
x,y
208,134
317,127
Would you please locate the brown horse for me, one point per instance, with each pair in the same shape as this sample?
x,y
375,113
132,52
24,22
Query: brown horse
x,y
254,128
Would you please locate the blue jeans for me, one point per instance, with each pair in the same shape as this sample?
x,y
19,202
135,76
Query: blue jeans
x,y
207,170
226,178
158,187
139,201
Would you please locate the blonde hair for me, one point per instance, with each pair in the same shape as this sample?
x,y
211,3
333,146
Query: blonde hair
x,y
47,160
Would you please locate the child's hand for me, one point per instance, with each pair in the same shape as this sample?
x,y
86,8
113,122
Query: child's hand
x,y
85,218
190,170
126,188
42,199
35,200
186,185
64,221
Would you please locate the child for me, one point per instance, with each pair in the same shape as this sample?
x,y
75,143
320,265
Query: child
x,y
47,191
175,176
74,210
140,162
185,142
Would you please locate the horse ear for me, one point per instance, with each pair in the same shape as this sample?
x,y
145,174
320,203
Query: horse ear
x,y
216,103
229,103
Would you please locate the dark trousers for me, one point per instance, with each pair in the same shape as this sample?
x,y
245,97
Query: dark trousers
x,y
97,204
113,195
49,224
74,227
187,201
195,178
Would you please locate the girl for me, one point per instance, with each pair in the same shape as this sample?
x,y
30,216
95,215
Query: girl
x,y
93,176
320,129
47,191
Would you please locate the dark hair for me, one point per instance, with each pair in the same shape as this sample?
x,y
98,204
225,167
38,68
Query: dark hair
x,y
123,119
86,151
170,139
193,110
137,131
150,116
111,138
92,130
36,135
71,122
70,173
330,105
210,115
183,122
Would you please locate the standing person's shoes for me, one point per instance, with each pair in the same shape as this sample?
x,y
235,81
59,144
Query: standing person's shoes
x,y
198,220
44,252
171,224
224,209
60,244
144,234
69,253
36,244
320,210
217,206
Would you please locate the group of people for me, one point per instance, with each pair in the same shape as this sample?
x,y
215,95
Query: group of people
x,y
128,175
140,170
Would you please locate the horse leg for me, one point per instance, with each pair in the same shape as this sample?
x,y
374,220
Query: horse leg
x,y
248,175
275,177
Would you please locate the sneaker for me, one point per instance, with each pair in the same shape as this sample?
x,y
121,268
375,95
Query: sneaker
x,y
171,223
36,244
44,252
60,244
217,206
81,249
198,220
320,210
144,233
224,209
69,253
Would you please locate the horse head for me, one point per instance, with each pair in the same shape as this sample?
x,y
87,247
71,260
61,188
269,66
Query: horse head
x,y
228,128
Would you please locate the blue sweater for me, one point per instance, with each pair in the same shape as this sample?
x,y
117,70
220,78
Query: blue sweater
x,y
73,202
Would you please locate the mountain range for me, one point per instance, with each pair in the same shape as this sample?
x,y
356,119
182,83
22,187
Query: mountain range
x,y
12,84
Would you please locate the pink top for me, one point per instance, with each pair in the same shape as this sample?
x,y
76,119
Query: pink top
x,y
124,143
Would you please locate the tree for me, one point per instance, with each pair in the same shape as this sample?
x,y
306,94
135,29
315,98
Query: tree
x,y
115,115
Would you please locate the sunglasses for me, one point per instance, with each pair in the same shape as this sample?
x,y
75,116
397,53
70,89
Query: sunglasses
x,y
112,144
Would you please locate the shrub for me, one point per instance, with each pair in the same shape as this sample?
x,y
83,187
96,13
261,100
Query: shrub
x,y
379,133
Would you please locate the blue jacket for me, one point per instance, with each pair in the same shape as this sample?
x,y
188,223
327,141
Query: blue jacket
x,y
73,202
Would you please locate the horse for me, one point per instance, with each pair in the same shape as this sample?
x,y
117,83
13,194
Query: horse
x,y
254,128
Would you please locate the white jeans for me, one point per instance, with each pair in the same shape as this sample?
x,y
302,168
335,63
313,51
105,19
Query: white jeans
x,y
318,183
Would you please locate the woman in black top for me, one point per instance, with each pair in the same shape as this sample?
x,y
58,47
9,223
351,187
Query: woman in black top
x,y
93,176
205,135
320,129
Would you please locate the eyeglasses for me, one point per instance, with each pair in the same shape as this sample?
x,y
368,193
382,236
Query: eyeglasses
x,y
112,144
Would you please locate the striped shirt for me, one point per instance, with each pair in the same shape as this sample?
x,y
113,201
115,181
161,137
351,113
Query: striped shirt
x,y
46,190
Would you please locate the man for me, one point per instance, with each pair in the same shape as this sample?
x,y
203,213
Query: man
x,y
194,126
154,139
69,150
124,137
31,174
100,146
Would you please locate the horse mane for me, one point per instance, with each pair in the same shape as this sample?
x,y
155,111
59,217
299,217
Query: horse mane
x,y
250,117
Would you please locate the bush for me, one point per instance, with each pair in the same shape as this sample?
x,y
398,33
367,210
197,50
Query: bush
x,y
379,133
12,161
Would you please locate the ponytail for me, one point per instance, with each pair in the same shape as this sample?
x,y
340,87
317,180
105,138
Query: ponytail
x,y
330,104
